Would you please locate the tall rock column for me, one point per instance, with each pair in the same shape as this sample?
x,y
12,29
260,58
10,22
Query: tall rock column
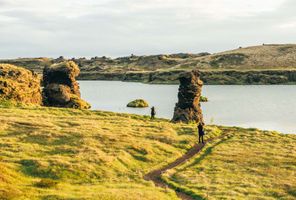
x,y
188,107
60,86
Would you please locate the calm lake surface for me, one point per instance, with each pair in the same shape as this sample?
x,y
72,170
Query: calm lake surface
x,y
271,107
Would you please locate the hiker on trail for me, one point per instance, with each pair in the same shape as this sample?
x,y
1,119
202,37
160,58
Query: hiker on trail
x,y
201,132
153,113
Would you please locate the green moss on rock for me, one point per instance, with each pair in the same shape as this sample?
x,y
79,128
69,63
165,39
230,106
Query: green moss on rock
x,y
203,99
138,103
19,85
77,102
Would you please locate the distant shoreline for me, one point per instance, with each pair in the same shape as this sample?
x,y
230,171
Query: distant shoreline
x,y
225,77
254,65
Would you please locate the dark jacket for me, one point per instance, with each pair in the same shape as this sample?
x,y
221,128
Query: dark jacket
x,y
153,112
200,130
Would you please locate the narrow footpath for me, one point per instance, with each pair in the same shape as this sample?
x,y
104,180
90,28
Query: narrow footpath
x,y
156,174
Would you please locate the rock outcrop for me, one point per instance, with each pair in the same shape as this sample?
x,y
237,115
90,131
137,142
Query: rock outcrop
x,y
188,107
138,103
60,86
19,85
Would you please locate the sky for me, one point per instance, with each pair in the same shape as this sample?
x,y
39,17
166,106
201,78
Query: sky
x,y
86,28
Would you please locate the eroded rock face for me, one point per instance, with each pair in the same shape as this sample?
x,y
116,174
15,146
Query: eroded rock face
x,y
19,85
60,86
188,107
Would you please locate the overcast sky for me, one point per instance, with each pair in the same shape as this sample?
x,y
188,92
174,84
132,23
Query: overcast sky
x,y
30,28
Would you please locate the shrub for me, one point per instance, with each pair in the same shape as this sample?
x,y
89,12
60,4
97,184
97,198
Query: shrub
x,y
46,183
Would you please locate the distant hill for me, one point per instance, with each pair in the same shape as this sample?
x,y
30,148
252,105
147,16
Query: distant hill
x,y
255,57
266,62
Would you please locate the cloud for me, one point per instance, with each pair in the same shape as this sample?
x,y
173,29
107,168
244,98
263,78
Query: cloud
x,y
122,27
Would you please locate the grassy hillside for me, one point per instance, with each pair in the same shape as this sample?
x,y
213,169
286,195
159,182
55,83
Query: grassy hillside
x,y
56,153
264,64
49,153
248,164
249,58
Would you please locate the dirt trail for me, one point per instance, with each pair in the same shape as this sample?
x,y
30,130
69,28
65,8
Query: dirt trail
x,y
155,175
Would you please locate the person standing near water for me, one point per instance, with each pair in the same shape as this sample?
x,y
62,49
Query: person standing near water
x,y
153,112
201,132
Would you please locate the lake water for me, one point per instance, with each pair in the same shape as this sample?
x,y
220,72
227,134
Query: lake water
x,y
270,107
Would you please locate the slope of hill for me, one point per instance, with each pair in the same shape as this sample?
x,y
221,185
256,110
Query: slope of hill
x,y
248,164
51,153
265,64
250,58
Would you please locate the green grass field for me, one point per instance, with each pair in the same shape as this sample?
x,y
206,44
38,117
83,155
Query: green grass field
x,y
51,153
247,164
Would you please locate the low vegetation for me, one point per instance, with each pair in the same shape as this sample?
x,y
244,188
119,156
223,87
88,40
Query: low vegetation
x,y
58,153
247,164
203,99
55,153
138,103
47,183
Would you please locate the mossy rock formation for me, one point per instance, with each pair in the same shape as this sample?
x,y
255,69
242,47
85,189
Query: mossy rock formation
x,y
138,103
188,107
60,86
19,85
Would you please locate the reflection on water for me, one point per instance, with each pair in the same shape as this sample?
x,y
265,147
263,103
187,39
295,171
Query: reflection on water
x,y
264,107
